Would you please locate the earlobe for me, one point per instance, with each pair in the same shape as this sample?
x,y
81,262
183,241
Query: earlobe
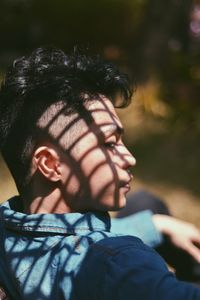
x,y
47,162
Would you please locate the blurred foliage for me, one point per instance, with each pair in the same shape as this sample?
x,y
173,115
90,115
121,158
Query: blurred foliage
x,y
165,157
148,38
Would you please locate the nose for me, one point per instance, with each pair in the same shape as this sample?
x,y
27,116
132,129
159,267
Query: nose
x,y
127,159
131,161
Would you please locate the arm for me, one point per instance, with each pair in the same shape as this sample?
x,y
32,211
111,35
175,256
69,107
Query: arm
x,y
150,228
141,225
182,234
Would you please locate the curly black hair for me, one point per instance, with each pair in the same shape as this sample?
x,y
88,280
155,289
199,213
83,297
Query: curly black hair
x,y
45,77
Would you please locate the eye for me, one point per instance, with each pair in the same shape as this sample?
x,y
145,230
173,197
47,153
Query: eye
x,y
111,145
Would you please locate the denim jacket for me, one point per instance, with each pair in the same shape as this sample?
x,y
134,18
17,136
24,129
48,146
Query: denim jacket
x,y
75,256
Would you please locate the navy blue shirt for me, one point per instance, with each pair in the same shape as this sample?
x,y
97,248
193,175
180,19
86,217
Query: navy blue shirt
x,y
75,257
124,268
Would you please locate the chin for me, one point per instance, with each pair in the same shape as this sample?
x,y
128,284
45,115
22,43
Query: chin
x,y
118,205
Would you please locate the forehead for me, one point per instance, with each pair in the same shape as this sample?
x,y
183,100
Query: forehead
x,y
96,111
98,117
103,114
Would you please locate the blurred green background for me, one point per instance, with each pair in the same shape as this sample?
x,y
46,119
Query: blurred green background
x,y
157,43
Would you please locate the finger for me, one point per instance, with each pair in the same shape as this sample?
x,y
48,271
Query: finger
x,y
193,251
196,239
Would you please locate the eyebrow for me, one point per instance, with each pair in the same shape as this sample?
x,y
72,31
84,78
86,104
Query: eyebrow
x,y
113,129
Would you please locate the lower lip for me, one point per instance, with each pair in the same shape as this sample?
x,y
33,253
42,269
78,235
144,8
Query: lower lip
x,y
127,187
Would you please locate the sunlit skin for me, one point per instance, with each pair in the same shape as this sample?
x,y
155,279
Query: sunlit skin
x,y
89,173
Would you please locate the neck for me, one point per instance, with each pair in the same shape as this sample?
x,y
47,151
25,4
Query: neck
x,y
46,204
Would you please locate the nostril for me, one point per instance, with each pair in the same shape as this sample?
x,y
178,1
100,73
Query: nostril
x,y
130,173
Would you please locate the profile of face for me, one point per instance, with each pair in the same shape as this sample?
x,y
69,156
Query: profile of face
x,y
93,161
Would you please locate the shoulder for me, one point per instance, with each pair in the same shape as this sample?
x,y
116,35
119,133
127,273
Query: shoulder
x,y
120,267
121,242
117,263
126,250
117,244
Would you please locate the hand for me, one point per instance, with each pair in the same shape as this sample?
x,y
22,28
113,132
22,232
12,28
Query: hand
x,y
3,295
182,234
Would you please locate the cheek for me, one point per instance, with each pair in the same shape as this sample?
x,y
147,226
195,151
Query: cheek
x,y
100,171
103,175
70,180
97,162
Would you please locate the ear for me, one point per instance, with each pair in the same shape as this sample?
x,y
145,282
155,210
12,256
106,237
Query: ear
x,y
47,161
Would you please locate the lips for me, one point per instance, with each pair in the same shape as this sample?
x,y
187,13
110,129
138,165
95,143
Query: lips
x,y
126,184
127,187
130,178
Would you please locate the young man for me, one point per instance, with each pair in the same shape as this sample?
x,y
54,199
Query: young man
x,y
62,141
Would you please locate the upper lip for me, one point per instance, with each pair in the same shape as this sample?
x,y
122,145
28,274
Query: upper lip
x,y
127,181
130,175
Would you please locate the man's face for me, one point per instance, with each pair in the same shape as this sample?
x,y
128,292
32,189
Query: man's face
x,y
95,167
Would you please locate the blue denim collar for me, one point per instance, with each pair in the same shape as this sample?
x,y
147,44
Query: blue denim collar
x,y
71,223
